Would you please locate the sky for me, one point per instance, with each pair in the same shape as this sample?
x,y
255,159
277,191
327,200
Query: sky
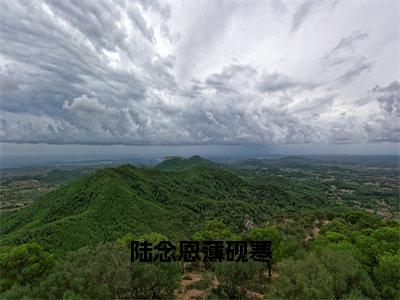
x,y
103,75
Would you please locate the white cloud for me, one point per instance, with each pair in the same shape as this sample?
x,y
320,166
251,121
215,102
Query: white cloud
x,y
85,104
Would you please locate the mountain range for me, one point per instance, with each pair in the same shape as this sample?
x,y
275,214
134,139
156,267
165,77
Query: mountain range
x,y
174,198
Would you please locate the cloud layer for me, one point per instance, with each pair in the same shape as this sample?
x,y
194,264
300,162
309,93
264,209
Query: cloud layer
x,y
158,73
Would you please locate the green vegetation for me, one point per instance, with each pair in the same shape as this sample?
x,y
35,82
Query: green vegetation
x,y
326,275
345,261
101,272
73,242
180,163
113,202
20,190
387,275
237,278
23,264
204,283
215,231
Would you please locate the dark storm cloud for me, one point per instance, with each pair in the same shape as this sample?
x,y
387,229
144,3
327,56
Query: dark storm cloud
x,y
225,110
110,72
57,58
57,73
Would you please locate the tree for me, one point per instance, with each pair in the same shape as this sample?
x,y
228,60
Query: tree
x,y
322,275
105,272
362,219
373,243
336,225
152,237
214,231
269,233
387,275
23,265
306,278
17,292
328,239
348,275
152,281
100,272
236,278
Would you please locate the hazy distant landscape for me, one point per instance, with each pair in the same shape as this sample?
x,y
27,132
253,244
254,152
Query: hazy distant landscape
x,y
343,178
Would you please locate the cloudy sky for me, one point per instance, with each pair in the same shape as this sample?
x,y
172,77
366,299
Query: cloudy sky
x,y
199,73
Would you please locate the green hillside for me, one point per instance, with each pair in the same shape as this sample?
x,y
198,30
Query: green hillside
x,y
180,163
112,202
72,242
58,176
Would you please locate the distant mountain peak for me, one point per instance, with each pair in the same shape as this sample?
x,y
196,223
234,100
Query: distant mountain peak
x,y
180,163
196,158
173,157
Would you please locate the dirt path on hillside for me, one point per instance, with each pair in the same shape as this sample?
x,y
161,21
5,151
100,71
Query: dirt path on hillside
x,y
313,234
182,293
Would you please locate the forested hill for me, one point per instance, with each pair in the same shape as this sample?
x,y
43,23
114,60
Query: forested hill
x,y
327,249
180,163
115,201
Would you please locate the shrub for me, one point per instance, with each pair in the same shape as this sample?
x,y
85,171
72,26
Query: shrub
x,y
236,278
215,230
17,292
204,283
280,248
105,272
387,275
323,275
150,281
336,225
23,265
306,278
